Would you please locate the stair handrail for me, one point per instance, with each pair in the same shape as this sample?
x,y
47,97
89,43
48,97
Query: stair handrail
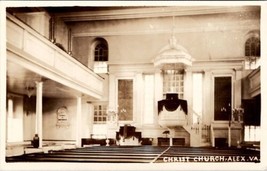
x,y
199,128
199,117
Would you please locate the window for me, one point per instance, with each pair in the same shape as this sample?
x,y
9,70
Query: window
x,y
125,99
101,52
148,99
252,47
173,82
252,133
100,56
252,51
100,116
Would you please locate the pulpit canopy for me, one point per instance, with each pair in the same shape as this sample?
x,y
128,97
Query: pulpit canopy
x,y
173,56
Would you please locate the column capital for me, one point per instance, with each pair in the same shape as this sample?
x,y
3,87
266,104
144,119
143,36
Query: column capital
x,y
36,82
39,83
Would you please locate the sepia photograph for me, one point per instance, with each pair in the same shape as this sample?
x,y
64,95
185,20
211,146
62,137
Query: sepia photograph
x,y
132,86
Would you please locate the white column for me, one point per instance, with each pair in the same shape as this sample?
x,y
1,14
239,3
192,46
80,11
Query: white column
x,y
207,101
79,122
139,105
91,118
188,89
39,112
238,89
158,88
10,108
9,117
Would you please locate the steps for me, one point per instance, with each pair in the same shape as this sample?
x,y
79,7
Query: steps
x,y
199,135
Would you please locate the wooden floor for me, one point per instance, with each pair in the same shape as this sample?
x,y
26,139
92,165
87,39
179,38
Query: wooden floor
x,y
142,154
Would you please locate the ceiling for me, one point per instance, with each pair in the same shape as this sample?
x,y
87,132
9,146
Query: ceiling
x,y
22,81
93,13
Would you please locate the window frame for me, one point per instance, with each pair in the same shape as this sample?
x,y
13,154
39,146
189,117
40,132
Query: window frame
x,y
99,64
253,46
252,50
175,80
97,114
101,52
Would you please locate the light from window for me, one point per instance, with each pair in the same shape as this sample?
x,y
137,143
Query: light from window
x,y
252,133
197,94
173,82
100,116
149,99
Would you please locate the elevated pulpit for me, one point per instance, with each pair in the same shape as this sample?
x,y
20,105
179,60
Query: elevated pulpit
x,y
172,111
127,136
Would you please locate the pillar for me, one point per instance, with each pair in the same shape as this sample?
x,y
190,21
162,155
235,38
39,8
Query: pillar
x,y
79,121
158,88
10,108
39,112
112,93
237,89
91,118
188,89
207,101
139,102
9,117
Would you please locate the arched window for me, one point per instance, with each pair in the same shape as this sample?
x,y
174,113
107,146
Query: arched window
x,y
252,47
252,50
100,55
101,52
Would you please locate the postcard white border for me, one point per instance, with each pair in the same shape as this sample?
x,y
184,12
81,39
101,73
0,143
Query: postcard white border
x,y
113,166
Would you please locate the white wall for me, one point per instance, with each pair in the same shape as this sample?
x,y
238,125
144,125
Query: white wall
x,y
206,37
53,132
61,33
39,21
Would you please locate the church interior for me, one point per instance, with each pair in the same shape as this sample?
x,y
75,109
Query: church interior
x,y
132,84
